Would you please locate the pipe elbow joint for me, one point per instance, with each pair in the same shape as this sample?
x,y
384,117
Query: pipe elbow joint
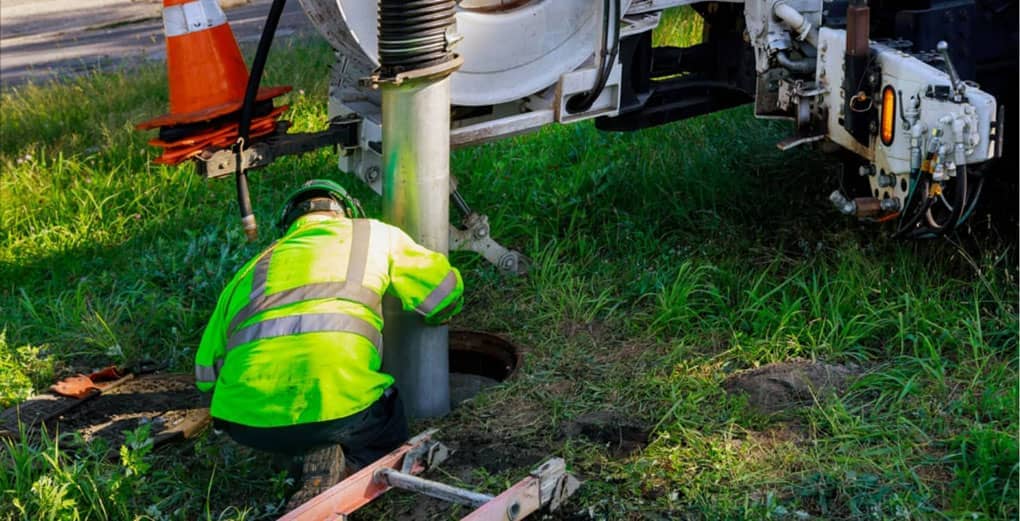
x,y
794,20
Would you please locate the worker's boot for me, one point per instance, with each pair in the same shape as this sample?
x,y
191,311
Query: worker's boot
x,y
322,469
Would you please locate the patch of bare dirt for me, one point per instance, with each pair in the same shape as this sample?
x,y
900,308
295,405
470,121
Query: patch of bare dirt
x,y
622,436
782,386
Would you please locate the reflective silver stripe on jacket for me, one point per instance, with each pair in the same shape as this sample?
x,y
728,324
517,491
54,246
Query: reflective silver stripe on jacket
x,y
308,323
439,294
205,373
351,289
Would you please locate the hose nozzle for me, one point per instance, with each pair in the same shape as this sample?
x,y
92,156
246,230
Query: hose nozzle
x,y
251,228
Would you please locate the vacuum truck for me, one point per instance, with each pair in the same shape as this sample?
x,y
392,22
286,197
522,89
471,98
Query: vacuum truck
x,y
904,93
907,95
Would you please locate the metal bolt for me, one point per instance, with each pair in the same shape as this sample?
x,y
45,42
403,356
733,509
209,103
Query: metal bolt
x,y
866,170
508,263
481,232
844,205
885,180
513,511
372,174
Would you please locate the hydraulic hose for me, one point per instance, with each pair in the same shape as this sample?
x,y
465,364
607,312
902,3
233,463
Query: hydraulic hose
x,y
941,228
247,110
923,205
961,196
607,58
803,66
973,201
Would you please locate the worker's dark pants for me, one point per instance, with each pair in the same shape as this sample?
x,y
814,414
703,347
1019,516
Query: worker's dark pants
x,y
365,436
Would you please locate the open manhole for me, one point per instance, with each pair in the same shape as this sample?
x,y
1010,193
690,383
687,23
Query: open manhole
x,y
479,361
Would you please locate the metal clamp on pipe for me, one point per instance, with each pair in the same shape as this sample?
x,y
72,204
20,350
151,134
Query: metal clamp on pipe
x,y
416,41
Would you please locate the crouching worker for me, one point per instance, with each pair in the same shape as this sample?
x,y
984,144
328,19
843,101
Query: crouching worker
x,y
292,351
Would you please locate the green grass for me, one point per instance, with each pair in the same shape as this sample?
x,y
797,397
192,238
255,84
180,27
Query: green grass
x,y
664,260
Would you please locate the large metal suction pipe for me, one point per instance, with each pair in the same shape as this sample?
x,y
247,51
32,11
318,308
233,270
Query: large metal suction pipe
x,y
414,79
416,197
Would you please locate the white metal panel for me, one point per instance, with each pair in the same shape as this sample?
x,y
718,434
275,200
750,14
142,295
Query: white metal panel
x,y
911,78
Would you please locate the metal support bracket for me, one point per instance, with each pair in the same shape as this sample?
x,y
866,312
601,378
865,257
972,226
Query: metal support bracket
x,y
795,97
473,235
342,132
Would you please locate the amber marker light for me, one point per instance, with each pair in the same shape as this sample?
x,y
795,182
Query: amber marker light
x,y
888,127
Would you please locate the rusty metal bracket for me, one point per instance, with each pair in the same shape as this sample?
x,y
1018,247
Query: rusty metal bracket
x,y
217,163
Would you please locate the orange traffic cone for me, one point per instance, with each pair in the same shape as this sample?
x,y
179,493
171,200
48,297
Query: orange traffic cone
x,y
207,77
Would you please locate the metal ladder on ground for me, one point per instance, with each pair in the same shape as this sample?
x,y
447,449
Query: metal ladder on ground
x,y
545,488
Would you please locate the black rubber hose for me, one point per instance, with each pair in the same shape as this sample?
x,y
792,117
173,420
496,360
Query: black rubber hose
x,y
973,201
247,109
961,196
607,58
923,206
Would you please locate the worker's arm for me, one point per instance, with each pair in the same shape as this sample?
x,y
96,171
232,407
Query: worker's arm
x,y
209,357
423,279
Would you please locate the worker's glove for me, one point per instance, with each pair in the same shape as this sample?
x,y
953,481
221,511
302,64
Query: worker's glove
x,y
444,315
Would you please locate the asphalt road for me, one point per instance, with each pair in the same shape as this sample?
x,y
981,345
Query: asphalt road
x,y
46,39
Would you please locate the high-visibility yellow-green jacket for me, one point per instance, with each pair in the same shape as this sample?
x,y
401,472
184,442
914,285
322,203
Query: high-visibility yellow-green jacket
x,y
296,334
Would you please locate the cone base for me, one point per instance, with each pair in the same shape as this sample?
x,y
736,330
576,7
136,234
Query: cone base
x,y
176,152
167,120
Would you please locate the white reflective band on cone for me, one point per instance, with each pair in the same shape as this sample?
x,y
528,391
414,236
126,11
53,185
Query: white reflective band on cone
x,y
192,17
